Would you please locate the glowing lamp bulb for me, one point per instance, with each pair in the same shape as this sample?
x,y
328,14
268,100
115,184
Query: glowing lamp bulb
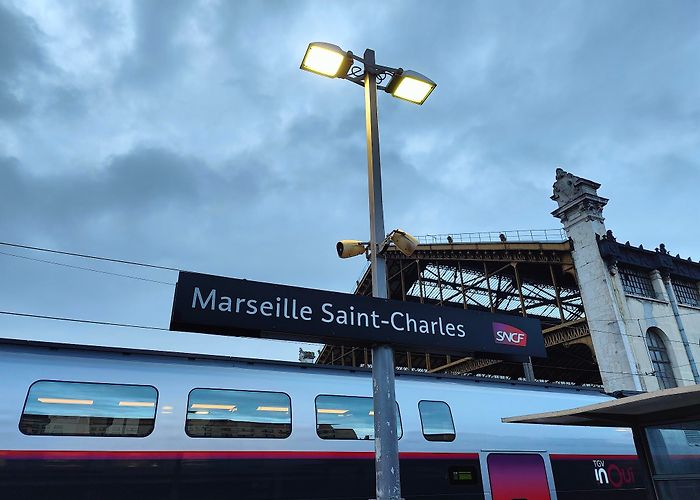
x,y
411,86
326,59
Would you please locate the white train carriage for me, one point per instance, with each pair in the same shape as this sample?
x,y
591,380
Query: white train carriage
x,y
83,422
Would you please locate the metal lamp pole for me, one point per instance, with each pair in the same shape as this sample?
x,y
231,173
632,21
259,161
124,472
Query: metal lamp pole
x,y
330,60
386,442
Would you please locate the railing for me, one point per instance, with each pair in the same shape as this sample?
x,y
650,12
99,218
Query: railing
x,y
552,235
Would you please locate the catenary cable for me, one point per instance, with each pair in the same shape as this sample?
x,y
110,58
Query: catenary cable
x,y
77,320
88,256
110,323
71,266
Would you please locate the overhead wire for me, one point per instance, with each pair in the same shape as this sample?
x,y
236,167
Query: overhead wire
x,y
592,370
72,266
109,273
631,335
110,323
88,256
689,313
88,321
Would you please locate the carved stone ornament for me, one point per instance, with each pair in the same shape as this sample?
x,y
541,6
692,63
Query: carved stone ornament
x,y
577,198
568,187
563,188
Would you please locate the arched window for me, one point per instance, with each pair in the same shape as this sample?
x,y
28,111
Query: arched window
x,y
660,360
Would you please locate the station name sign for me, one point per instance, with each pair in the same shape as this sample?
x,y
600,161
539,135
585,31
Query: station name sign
x,y
234,307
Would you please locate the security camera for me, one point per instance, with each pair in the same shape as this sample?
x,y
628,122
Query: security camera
x,y
404,242
350,248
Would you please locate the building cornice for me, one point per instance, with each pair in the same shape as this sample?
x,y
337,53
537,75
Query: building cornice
x,y
615,253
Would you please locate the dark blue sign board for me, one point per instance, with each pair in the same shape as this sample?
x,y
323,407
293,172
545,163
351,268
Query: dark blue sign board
x,y
234,307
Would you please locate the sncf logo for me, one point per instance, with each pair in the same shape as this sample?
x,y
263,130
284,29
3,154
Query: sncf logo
x,y
509,335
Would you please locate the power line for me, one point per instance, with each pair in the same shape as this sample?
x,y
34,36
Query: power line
x,y
591,370
637,336
88,256
62,264
88,321
653,317
121,325
652,373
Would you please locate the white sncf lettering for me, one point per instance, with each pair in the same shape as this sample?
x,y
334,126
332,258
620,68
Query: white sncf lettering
x,y
510,337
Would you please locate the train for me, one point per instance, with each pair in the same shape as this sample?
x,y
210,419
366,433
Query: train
x,y
99,423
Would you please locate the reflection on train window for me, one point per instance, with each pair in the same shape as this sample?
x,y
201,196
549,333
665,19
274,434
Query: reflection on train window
x,y
223,413
436,419
347,417
87,409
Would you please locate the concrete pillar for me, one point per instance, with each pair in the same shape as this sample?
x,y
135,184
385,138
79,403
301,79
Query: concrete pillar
x,y
658,284
581,212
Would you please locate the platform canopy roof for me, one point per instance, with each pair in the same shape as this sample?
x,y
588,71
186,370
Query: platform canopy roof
x,y
668,405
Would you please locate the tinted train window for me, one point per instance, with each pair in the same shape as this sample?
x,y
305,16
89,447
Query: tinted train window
x,y
436,419
347,417
85,409
221,413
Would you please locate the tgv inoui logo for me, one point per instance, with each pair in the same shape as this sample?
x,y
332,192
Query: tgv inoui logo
x,y
509,335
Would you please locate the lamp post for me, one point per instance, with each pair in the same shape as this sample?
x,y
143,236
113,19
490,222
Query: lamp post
x,y
331,61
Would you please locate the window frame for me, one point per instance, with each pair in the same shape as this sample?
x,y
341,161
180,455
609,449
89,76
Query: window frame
x,y
189,395
663,368
398,413
687,292
26,399
422,424
637,282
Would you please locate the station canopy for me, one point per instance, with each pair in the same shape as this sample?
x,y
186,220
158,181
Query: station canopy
x,y
677,404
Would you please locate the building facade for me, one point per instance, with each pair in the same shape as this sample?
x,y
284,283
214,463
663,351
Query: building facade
x,y
642,306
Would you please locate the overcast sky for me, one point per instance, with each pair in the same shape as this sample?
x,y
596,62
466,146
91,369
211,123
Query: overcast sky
x,y
182,133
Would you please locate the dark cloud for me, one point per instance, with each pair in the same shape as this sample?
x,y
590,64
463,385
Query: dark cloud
x,y
159,52
18,39
65,103
20,54
128,187
11,105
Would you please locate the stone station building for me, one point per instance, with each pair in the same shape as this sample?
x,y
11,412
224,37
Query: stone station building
x,y
642,306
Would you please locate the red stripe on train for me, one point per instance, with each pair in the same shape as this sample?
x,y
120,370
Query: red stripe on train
x,y
555,456
216,455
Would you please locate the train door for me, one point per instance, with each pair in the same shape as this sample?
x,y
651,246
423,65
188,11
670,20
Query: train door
x,y
518,476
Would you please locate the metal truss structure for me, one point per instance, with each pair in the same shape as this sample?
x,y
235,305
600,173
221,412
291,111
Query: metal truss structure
x,y
529,278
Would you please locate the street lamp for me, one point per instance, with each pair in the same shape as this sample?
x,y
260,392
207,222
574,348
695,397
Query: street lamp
x,y
330,60
326,59
411,86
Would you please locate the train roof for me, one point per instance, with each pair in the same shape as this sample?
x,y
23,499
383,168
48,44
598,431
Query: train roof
x,y
67,346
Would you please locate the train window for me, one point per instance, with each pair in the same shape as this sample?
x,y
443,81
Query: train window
x,y
436,419
227,413
88,409
347,417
